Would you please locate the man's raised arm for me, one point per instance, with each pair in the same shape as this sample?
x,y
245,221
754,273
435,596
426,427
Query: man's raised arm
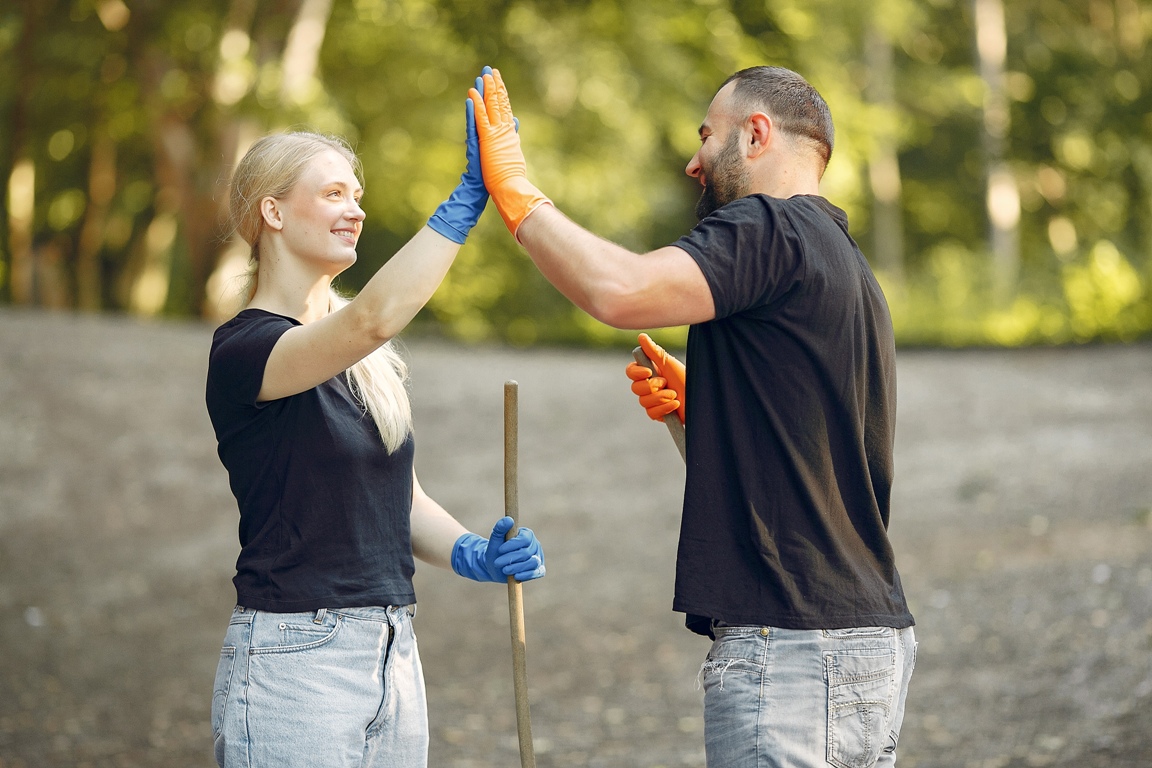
x,y
620,288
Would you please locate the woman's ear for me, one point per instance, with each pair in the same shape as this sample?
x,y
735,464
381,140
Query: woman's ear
x,y
760,128
270,211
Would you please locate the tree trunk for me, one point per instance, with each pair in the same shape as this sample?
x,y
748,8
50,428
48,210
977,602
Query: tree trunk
x,y
884,162
21,207
1002,194
302,51
190,170
19,191
101,190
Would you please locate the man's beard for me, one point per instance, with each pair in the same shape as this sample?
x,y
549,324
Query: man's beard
x,y
726,181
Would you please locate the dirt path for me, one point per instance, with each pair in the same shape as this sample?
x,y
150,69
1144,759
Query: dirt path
x,y
1022,521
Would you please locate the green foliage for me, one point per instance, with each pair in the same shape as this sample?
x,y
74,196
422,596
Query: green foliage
x,y
1099,298
609,94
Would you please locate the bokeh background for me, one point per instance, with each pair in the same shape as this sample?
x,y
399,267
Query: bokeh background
x,y
995,161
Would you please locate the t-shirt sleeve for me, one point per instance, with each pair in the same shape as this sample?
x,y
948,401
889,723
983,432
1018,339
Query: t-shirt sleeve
x,y
746,254
239,356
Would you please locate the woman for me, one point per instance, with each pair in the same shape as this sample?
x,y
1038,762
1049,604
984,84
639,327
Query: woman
x,y
319,665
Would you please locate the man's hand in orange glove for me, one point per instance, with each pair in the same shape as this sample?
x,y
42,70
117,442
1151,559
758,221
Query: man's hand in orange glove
x,y
661,391
501,159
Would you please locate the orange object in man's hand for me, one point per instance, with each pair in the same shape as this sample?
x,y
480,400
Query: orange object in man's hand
x,y
501,158
661,391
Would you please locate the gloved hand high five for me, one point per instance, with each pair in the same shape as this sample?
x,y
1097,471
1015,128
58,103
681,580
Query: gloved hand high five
x,y
494,559
502,160
459,213
661,391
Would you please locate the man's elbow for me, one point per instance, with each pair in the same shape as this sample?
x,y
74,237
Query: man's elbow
x,y
650,307
617,308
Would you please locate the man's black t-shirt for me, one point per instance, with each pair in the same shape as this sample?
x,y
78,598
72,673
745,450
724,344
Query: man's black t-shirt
x,y
325,511
791,406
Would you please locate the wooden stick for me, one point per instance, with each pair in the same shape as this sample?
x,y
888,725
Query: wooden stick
x,y
675,428
515,588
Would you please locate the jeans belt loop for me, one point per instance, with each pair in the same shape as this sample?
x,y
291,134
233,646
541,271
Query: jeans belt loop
x,y
320,614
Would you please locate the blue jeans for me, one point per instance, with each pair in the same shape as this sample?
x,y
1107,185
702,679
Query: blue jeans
x,y
324,689
806,698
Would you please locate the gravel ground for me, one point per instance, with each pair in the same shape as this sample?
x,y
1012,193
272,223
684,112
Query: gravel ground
x,y
1022,521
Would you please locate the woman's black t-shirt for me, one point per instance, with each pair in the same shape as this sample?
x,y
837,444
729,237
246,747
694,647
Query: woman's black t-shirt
x,y
791,407
325,510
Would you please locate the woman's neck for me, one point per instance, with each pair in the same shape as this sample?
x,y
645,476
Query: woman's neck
x,y
291,292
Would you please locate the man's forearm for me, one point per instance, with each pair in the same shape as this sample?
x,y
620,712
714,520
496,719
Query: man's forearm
x,y
616,286
590,271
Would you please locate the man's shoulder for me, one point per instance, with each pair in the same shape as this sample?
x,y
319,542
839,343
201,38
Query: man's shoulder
x,y
759,205
756,210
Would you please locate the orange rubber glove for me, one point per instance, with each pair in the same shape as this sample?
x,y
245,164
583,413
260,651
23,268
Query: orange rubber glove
x,y
661,391
501,159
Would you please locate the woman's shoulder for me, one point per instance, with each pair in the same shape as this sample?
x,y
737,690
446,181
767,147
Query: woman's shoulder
x,y
251,321
255,315
249,335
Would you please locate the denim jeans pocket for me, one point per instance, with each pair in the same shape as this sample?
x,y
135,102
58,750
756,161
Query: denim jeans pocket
x,y
221,685
861,682
293,632
737,656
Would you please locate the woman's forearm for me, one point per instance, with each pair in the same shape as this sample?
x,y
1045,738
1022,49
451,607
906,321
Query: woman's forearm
x,y
434,531
400,288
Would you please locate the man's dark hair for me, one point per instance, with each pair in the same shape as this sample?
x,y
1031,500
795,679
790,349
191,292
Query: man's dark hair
x,y
794,106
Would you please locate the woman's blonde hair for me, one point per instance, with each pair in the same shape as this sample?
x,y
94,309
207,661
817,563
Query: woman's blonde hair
x,y
270,168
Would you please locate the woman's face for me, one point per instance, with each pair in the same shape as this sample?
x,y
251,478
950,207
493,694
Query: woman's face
x,y
321,216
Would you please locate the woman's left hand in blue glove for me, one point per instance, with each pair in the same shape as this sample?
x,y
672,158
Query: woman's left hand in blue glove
x,y
494,559
459,213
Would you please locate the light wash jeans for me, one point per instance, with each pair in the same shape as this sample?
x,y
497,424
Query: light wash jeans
x,y
806,698
326,689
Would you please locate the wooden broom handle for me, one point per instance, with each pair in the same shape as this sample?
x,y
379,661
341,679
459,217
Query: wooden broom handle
x,y
671,420
515,588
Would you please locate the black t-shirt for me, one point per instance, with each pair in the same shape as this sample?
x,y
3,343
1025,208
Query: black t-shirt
x,y
325,511
790,413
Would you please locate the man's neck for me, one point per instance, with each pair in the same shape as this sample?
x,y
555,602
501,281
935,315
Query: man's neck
x,y
788,182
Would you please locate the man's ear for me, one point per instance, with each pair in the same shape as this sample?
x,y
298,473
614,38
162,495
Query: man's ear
x,y
270,211
760,128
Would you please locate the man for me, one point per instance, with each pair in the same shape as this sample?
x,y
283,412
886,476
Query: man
x,y
784,557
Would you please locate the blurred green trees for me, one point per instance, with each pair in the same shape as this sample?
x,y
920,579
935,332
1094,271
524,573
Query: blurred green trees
x,y
995,159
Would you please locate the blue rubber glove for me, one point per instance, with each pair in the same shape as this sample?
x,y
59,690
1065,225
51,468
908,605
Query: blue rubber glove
x,y
459,213
493,559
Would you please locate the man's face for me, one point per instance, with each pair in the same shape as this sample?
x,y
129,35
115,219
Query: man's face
x,y
719,164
